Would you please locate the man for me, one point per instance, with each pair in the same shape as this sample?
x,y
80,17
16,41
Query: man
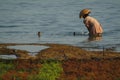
x,y
93,26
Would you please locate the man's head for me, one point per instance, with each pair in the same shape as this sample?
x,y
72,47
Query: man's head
x,y
84,13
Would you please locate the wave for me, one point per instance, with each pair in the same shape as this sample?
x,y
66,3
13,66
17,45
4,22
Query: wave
x,y
15,32
70,34
8,26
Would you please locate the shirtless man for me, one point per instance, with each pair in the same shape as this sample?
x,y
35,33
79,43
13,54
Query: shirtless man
x,y
93,26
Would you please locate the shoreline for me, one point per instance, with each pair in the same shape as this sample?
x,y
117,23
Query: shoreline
x,y
56,51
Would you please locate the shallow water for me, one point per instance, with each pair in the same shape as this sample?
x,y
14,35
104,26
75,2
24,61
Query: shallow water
x,y
8,57
57,20
32,49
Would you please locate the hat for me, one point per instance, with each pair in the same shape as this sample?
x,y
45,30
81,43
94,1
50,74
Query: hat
x,y
83,12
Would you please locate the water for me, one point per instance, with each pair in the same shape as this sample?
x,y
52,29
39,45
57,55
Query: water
x,y
8,57
20,20
32,49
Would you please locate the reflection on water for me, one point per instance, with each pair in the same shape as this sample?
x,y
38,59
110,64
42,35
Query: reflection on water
x,y
95,38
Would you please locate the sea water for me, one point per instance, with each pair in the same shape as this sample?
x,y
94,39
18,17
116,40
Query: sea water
x,y
57,20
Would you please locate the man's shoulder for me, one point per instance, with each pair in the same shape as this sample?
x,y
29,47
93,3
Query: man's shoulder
x,y
89,18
